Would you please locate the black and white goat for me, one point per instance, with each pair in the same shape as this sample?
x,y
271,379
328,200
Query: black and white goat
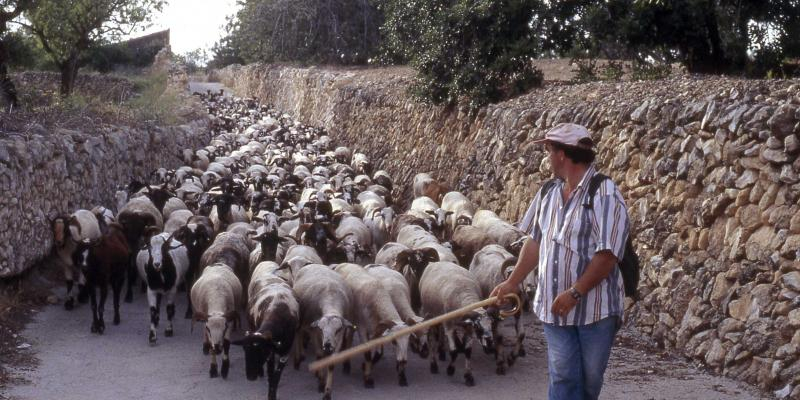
x,y
162,263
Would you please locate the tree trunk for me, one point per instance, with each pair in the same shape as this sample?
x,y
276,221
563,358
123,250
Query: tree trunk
x,y
7,89
69,71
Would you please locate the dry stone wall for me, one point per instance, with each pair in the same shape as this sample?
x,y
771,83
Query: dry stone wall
x,y
708,166
44,174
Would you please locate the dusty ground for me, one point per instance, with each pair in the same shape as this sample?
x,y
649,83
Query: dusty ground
x,y
66,361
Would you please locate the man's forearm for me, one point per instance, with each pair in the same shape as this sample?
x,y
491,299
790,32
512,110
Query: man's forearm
x,y
599,268
528,259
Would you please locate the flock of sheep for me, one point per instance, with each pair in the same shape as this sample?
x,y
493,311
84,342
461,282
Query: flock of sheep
x,y
273,222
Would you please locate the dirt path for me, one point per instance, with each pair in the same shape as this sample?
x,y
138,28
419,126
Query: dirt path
x,y
76,364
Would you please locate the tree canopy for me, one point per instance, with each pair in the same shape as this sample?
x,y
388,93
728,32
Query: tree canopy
x,y
67,29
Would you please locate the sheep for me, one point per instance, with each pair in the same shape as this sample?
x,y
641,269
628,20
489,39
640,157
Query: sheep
x,y
197,234
173,204
361,164
383,178
176,220
425,208
326,301
376,316
468,240
299,256
414,236
425,185
274,317
215,296
409,262
500,231
137,214
355,239
103,262
446,287
445,253
230,249
461,207
395,283
162,263
67,233
244,229
370,201
343,154
403,220
492,265
379,222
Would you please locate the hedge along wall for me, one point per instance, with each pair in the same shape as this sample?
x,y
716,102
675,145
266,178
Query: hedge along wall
x,y
708,167
44,174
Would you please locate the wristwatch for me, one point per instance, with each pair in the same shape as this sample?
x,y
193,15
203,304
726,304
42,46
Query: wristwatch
x,y
575,293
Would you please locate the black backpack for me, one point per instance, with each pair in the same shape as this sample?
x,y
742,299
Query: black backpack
x,y
629,265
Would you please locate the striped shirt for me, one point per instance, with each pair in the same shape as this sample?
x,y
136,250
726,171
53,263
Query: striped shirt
x,y
569,235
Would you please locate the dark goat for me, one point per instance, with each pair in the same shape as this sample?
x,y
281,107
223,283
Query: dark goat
x,y
134,225
104,263
197,235
316,235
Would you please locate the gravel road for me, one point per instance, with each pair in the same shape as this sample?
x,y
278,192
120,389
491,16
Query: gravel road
x,y
76,364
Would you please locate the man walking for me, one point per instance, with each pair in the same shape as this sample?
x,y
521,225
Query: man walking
x,y
579,295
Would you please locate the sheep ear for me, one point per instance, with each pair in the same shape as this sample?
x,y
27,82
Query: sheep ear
x,y
315,324
448,213
402,257
430,212
430,254
383,327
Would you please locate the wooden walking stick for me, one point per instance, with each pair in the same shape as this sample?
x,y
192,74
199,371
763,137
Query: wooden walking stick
x,y
364,347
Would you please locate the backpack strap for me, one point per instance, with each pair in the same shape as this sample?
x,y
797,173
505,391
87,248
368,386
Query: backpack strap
x,y
594,186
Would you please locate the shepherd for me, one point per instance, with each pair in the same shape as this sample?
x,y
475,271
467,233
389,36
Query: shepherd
x,y
577,237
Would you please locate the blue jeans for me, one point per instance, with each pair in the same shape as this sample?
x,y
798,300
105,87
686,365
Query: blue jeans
x,y
577,357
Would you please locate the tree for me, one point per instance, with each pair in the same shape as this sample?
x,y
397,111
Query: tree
x,y
67,29
465,51
710,36
306,31
9,9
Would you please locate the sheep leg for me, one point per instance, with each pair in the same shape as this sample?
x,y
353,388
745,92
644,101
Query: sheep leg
x,y
298,355
189,281
401,373
212,372
83,292
276,376
69,303
377,355
499,350
206,342
328,384
469,379
519,348
116,287
433,343
369,383
450,336
155,303
93,302
226,347
346,343
101,323
170,312
323,377
131,277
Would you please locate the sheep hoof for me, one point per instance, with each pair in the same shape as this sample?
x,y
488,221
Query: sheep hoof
x,y
152,337
226,365
451,369
434,368
206,348
212,372
501,370
69,304
320,386
369,383
116,319
101,327
129,297
94,327
168,332
469,379
403,380
327,396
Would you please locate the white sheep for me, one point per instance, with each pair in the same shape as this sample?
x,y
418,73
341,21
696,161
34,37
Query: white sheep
x,y
215,297
376,316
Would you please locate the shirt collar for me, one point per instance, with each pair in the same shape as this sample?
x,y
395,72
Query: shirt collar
x,y
590,172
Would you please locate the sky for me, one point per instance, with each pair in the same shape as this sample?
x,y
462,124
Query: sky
x,y
193,23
